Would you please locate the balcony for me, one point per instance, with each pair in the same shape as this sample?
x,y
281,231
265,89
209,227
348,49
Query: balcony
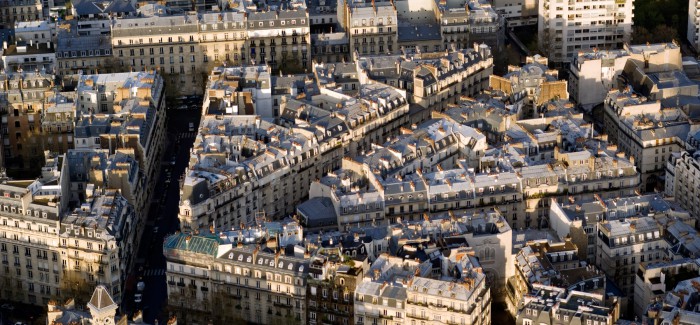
x,y
437,307
280,304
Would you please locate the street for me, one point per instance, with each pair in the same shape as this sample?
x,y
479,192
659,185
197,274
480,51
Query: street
x,y
162,218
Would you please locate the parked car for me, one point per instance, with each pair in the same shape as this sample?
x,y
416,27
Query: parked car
x,y
138,298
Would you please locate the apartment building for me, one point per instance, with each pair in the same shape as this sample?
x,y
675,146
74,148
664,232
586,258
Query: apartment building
x,y
323,16
124,112
342,77
12,11
533,83
330,295
84,54
58,123
29,240
432,80
372,26
454,25
240,176
674,306
29,56
564,29
408,183
460,297
168,44
694,24
517,12
97,242
572,306
623,243
38,31
330,47
95,18
24,141
222,39
462,142
647,130
433,26
653,278
280,38
579,219
89,245
489,115
240,91
682,179
592,74
208,273
549,268
374,114
577,174
418,27
486,25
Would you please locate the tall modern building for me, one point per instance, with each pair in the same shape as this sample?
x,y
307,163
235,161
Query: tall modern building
x,y
565,28
694,23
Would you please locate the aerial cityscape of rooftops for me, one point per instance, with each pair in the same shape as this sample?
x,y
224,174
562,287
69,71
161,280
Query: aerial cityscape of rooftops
x,y
350,162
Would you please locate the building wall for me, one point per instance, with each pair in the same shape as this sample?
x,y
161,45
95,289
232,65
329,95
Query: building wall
x,y
564,29
283,42
373,31
199,284
620,262
694,23
683,181
12,11
174,53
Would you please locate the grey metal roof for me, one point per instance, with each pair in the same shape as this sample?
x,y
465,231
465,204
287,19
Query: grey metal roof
x,y
411,32
318,212
96,7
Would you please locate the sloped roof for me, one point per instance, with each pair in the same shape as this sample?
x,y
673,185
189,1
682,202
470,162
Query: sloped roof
x,y
101,298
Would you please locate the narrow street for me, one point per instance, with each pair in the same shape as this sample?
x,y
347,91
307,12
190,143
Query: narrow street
x,y
162,217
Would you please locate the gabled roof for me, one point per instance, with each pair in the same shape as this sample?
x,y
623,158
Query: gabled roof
x,y
101,298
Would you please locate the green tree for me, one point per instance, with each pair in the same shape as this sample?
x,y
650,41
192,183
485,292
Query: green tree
x,y
659,18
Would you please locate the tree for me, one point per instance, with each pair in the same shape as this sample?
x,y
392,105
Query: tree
x,y
659,17
660,34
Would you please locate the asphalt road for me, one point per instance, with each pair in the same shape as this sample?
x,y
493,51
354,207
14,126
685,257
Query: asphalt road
x,y
150,266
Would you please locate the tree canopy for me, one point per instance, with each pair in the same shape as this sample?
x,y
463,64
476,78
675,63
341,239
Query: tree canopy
x,y
659,20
